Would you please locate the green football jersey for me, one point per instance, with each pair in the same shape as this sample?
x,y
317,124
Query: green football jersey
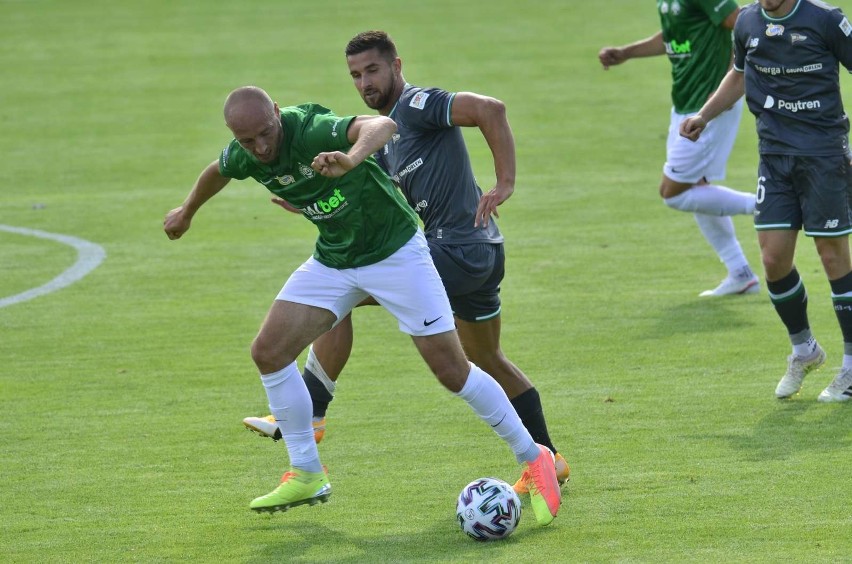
x,y
362,218
700,50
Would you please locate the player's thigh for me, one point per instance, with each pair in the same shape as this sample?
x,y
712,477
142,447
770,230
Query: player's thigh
x,y
824,187
409,287
288,328
471,274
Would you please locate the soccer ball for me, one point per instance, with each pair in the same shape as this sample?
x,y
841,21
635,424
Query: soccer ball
x,y
488,509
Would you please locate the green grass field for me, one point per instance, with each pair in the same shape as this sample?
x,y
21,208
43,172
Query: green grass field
x,y
122,394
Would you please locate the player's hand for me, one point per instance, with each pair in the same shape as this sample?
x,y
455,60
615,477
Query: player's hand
x,y
333,165
489,202
692,127
286,205
611,56
176,223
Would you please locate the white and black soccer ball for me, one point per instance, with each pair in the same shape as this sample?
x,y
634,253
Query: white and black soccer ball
x,y
488,509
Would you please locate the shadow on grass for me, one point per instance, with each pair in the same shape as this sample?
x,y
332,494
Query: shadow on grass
x,y
705,315
794,427
312,542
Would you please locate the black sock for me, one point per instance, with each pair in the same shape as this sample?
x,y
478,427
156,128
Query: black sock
x,y
320,396
528,406
790,299
840,297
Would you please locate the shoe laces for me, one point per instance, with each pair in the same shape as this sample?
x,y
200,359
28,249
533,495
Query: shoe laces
x,y
533,476
843,381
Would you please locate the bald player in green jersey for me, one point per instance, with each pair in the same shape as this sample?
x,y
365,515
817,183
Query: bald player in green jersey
x,y
696,37
369,244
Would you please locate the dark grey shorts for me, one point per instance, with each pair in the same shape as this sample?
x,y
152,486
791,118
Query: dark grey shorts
x,y
471,274
795,192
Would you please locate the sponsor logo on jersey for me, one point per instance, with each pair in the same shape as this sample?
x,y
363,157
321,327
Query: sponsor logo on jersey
x,y
334,128
720,5
306,171
410,168
768,70
673,48
753,43
324,209
806,68
419,100
796,37
792,106
845,27
421,205
675,7
780,70
774,30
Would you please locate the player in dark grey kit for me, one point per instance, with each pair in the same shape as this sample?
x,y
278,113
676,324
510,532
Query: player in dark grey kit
x,y
787,55
428,160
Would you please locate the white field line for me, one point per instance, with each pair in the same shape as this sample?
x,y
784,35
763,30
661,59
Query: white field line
x,y
89,256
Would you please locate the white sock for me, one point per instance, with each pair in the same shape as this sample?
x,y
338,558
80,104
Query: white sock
x,y
313,364
485,396
290,403
806,349
713,200
847,361
719,232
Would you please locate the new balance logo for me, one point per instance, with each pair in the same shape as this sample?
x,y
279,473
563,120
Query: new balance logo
x,y
831,223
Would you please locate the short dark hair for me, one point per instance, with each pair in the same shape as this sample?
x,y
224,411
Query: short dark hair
x,y
374,39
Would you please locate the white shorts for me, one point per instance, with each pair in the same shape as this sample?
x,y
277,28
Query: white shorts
x,y
688,161
406,284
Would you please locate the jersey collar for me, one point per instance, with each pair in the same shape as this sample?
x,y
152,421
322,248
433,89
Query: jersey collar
x,y
788,16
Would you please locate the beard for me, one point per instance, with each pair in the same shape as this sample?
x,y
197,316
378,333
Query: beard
x,y
378,99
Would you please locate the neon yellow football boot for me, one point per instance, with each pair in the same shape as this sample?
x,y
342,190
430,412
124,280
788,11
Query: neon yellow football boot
x,y
297,488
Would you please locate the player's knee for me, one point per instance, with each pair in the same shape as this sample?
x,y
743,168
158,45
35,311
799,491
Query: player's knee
x,y
680,202
266,358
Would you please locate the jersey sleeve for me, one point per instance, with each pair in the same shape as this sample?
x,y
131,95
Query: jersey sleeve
x,y
740,38
429,108
232,162
327,132
839,38
718,10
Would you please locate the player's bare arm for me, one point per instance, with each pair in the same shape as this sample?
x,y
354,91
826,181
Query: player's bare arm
x,y
730,90
648,47
209,183
728,23
368,134
489,115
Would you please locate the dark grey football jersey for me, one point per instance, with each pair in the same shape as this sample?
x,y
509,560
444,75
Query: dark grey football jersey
x,y
792,77
428,160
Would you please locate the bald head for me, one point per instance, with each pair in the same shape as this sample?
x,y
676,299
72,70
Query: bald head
x,y
254,119
246,101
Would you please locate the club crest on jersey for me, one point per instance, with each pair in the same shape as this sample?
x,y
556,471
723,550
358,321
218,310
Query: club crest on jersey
x,y
845,27
419,100
774,30
306,171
